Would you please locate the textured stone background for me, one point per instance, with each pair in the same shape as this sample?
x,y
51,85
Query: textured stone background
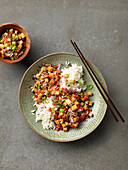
x,y
100,27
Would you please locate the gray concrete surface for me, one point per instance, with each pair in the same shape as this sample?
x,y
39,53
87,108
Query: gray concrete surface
x,y
100,27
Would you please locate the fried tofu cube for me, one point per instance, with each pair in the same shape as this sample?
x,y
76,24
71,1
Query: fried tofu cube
x,y
68,101
76,102
85,107
46,80
66,123
74,107
57,122
91,103
52,81
73,99
50,68
75,124
65,129
64,103
63,125
51,74
44,69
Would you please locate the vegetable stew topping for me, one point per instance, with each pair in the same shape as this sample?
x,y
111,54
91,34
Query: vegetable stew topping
x,y
12,44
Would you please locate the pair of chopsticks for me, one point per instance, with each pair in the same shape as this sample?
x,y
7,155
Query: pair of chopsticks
x,y
99,84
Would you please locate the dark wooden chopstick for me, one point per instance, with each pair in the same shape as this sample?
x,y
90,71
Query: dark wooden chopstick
x,y
99,88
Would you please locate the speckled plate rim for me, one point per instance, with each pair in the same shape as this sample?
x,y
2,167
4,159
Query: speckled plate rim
x,y
49,55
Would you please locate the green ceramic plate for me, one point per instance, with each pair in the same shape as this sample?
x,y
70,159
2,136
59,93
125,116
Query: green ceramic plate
x,y
26,102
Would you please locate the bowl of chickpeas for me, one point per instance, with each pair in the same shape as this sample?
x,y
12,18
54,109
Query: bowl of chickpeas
x,y
14,43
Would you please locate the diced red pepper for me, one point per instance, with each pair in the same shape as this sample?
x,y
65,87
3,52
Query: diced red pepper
x,y
57,74
55,66
55,115
82,118
74,92
53,104
85,97
54,87
58,70
74,82
62,89
59,116
73,126
39,91
65,109
36,95
77,118
49,90
50,109
86,112
58,127
64,117
39,100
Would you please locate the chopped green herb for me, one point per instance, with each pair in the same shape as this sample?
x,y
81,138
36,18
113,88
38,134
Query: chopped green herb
x,y
39,85
3,37
89,86
63,100
23,49
61,110
12,58
60,90
14,47
70,81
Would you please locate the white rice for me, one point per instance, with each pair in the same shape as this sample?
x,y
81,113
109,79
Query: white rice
x,y
43,114
75,73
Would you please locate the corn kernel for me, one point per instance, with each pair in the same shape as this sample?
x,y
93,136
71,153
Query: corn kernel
x,y
90,93
90,115
66,75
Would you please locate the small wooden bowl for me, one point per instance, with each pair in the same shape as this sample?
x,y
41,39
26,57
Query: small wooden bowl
x,y
6,26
